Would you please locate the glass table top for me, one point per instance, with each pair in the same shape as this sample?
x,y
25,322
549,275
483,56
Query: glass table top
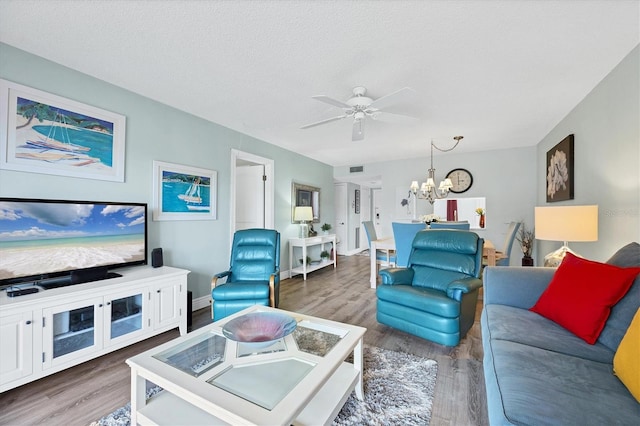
x,y
196,356
263,382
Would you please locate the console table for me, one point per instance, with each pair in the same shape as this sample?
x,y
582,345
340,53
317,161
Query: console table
x,y
304,244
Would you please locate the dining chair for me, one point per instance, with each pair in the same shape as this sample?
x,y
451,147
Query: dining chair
x,y
502,257
403,234
383,257
464,225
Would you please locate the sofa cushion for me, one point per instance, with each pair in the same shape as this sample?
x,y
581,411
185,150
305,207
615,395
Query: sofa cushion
x,y
526,327
625,309
626,363
541,387
581,294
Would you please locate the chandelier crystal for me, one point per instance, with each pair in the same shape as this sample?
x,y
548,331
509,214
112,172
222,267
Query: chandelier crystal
x,y
428,191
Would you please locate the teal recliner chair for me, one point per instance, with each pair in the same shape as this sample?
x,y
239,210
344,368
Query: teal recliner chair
x,y
435,296
253,277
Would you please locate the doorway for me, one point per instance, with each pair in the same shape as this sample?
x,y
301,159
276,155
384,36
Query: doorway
x,y
252,192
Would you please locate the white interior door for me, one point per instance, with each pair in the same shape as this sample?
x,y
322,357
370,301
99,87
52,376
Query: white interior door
x,y
365,214
342,217
377,210
249,197
240,159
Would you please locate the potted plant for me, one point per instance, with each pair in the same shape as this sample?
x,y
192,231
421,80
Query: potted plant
x,y
428,218
525,238
308,261
324,255
325,228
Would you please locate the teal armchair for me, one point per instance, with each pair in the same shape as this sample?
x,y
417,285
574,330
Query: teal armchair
x,y
435,296
253,277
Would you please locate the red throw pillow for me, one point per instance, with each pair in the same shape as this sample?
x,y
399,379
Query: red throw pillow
x,y
581,294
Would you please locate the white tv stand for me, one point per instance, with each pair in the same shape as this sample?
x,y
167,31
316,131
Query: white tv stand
x,y
46,332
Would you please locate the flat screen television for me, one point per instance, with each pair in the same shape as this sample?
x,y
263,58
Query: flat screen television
x,y
52,243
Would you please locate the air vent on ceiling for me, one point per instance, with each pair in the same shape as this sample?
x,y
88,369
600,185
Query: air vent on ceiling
x,y
356,169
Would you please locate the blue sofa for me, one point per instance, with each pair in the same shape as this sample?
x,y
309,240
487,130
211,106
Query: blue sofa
x,y
538,373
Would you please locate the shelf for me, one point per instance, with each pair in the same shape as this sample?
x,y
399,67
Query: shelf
x,y
302,244
311,268
334,393
167,408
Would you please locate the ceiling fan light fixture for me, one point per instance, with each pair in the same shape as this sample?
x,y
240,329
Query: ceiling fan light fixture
x,y
359,107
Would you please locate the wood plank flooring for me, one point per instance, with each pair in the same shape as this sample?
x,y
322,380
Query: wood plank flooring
x,y
85,393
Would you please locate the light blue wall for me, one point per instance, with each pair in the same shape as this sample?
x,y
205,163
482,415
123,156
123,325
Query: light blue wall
x,y
606,125
158,132
503,177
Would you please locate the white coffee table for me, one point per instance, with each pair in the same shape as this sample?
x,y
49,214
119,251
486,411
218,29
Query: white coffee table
x,y
302,379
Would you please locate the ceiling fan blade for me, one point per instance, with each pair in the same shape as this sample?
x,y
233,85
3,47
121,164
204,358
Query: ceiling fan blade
x,y
331,101
392,98
389,117
328,120
357,133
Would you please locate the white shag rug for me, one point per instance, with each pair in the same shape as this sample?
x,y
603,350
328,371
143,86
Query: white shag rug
x,y
398,390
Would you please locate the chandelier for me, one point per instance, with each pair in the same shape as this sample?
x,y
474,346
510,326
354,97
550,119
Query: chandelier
x,y
428,190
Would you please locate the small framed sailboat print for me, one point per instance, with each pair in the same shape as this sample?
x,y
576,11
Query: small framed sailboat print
x,y
183,192
44,133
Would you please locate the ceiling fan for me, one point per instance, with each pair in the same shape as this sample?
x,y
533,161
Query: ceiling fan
x,y
359,107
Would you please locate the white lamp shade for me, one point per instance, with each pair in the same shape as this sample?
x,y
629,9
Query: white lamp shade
x,y
303,213
446,184
566,223
431,183
414,186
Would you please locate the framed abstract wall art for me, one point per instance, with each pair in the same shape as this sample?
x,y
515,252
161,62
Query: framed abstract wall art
x,y
183,192
45,133
560,171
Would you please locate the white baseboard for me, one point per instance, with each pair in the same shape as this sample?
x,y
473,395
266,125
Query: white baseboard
x,y
201,303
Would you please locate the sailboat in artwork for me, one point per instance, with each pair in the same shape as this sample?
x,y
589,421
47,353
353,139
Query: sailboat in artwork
x,y
192,196
59,125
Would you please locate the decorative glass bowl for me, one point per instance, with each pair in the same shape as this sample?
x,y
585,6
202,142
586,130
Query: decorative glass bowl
x,y
259,329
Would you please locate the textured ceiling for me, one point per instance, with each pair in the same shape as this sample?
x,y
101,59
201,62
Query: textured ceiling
x,y
501,73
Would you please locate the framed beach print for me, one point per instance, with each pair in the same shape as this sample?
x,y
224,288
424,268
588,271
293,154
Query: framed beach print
x,y
44,133
183,192
560,171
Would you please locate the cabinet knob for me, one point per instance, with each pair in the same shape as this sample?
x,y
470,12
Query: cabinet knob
x,y
108,303
157,291
100,305
28,322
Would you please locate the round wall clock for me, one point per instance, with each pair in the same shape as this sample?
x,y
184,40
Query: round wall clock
x,y
461,180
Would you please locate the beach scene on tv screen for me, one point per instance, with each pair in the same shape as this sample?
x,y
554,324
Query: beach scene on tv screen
x,y
39,238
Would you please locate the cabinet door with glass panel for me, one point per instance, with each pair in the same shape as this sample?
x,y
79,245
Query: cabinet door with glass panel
x,y
71,331
125,315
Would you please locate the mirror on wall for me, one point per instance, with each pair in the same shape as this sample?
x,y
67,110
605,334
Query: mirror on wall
x,y
463,208
305,195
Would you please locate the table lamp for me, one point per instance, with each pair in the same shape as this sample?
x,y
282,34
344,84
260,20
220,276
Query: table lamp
x,y
565,223
303,214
